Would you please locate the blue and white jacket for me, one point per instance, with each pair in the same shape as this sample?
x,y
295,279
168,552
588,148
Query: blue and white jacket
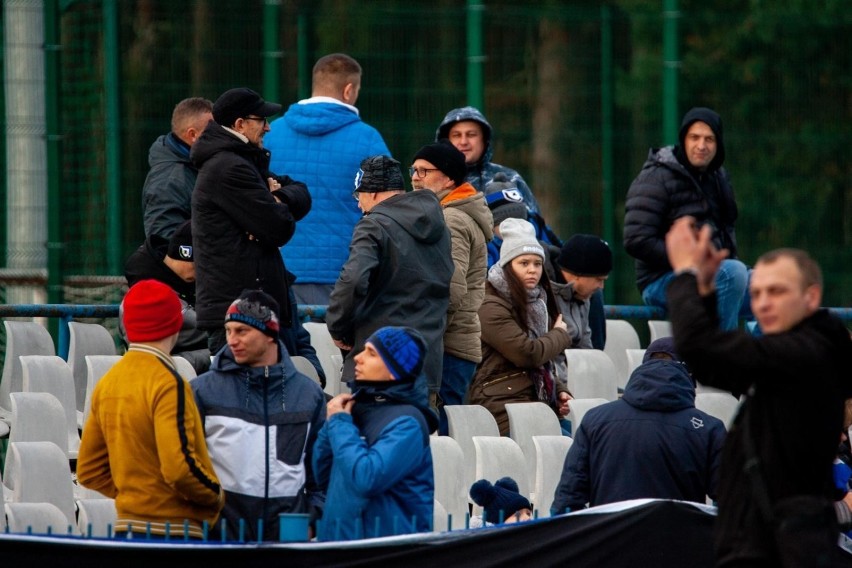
x,y
321,142
260,424
377,464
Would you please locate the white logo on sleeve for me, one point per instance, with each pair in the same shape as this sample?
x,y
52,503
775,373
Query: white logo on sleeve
x,y
697,422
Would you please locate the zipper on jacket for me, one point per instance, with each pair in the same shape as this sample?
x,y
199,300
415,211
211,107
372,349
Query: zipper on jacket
x,y
266,449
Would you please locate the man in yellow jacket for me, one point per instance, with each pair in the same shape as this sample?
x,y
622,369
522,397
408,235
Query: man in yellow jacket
x,y
143,443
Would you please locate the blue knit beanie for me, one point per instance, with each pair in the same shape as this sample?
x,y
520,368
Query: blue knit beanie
x,y
502,498
402,349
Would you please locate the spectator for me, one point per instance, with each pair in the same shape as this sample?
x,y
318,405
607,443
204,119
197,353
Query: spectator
x,y
167,193
502,503
439,168
584,263
469,131
260,417
241,212
373,453
505,201
804,355
143,444
399,268
651,443
523,335
172,263
687,179
321,141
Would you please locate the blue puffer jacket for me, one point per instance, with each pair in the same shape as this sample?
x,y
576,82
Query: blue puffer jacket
x,y
322,144
377,464
246,412
653,443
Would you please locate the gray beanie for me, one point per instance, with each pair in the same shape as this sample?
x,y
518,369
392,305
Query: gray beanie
x,y
518,238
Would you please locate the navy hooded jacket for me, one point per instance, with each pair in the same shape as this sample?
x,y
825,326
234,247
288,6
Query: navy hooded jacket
x,y
653,443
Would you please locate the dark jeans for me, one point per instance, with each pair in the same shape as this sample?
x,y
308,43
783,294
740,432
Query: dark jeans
x,y
454,382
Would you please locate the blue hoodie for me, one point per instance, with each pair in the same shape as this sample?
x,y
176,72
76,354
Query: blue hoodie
x,y
322,144
377,464
653,443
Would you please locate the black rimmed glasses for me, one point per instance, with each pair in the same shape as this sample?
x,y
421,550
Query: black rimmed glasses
x,y
421,172
257,118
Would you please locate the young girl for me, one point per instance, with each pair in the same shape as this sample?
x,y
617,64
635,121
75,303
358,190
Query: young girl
x,y
523,335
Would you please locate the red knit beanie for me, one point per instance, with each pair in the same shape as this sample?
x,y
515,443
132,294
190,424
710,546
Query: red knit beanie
x,y
152,311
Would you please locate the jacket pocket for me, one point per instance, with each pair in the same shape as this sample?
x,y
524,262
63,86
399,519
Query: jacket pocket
x,y
292,437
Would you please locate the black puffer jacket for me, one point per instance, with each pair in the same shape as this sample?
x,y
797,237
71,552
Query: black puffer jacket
x,y
666,190
237,225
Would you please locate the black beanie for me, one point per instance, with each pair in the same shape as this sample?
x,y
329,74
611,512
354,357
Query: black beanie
x,y
180,245
377,174
585,255
446,158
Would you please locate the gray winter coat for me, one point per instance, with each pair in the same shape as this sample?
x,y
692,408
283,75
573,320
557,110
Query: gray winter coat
x,y
398,273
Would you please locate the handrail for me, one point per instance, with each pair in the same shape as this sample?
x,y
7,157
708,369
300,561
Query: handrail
x,y
67,312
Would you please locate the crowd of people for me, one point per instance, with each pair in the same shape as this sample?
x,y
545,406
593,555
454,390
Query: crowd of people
x,y
456,292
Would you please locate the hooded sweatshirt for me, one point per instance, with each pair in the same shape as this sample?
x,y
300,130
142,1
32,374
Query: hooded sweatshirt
x,y
322,142
398,273
653,443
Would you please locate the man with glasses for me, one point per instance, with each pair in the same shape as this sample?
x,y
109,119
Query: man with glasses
x,y
241,212
440,169
651,443
321,141
399,268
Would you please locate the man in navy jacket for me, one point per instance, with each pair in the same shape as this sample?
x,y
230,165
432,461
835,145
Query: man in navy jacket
x,y
652,443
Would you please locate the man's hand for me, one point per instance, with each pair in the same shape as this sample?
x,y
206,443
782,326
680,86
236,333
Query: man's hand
x,y
340,403
692,249
560,323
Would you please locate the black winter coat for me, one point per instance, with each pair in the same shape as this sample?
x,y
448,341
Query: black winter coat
x,y
665,191
801,378
237,225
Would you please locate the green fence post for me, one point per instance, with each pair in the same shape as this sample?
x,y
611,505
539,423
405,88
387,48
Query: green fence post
x,y
607,151
112,147
671,64
271,51
475,57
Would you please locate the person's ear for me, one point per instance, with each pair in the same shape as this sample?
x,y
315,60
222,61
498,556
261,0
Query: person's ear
x,y
348,91
813,297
